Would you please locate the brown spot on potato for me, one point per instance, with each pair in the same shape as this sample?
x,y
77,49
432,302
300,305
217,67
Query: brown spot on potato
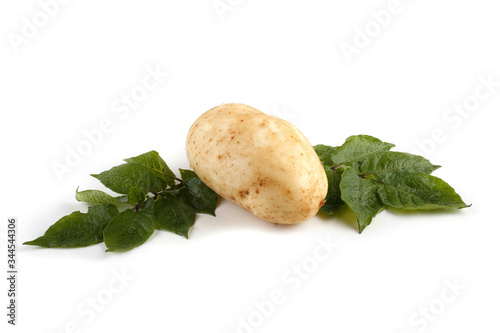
x,y
243,193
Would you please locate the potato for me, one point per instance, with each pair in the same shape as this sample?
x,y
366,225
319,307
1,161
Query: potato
x,y
260,162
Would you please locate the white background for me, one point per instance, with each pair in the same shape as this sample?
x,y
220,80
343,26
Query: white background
x,y
284,58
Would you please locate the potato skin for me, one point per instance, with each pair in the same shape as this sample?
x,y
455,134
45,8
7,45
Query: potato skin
x,y
260,162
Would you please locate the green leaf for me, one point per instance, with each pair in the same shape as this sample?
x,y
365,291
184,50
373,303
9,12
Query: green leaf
x,y
124,177
175,191
147,172
196,193
391,161
353,152
325,154
135,196
358,148
176,208
199,196
186,174
415,191
122,199
130,228
360,194
174,214
156,165
78,229
333,199
368,177
96,197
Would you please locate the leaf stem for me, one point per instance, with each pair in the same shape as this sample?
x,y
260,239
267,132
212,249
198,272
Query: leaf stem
x,y
139,205
181,183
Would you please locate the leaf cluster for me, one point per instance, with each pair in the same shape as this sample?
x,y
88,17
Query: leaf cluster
x,y
368,177
150,197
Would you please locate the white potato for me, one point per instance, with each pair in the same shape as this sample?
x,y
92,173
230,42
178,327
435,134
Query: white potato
x,y
260,162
